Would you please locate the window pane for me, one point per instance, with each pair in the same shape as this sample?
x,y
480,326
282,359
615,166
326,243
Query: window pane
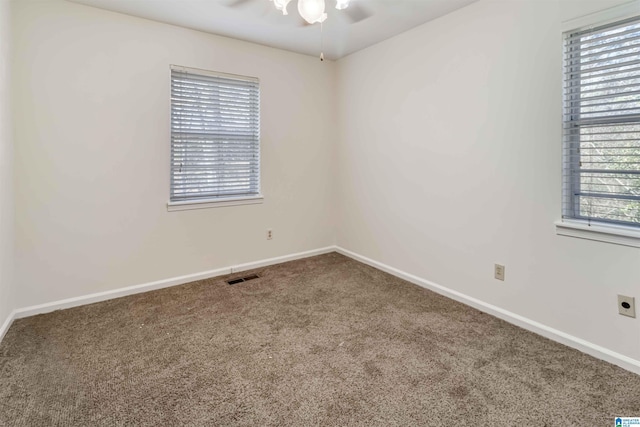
x,y
602,124
214,136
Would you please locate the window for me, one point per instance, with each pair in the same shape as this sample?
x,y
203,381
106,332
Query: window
x,y
215,138
601,131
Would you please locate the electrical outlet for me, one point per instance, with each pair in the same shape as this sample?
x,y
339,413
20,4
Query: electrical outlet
x,y
269,234
499,272
626,306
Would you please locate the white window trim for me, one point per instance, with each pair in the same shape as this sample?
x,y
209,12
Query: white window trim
x,y
608,233
214,203
602,17
590,230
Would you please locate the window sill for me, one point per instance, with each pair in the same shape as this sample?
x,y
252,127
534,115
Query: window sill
x,y
214,203
616,234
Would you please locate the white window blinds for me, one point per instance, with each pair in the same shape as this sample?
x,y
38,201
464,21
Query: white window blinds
x,y
601,161
215,135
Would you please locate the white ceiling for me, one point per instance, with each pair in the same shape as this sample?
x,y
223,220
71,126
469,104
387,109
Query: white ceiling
x,y
257,20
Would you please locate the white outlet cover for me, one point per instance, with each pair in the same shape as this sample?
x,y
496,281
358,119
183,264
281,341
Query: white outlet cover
x,y
631,311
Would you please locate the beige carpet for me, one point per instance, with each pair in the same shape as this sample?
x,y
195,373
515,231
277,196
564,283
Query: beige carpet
x,y
321,341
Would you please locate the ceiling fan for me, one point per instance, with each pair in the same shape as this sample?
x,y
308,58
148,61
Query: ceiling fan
x,y
313,11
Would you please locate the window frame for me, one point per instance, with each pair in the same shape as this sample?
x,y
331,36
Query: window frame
x,y
589,229
215,201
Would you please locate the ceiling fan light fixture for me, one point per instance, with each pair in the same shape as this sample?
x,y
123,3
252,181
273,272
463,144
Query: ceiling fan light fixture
x,y
342,4
312,11
281,5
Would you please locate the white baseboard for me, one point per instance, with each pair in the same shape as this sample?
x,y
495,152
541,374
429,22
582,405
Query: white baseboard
x,y
116,293
523,322
594,350
281,259
146,287
7,324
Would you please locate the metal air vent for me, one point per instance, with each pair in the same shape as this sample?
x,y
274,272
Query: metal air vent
x,y
243,279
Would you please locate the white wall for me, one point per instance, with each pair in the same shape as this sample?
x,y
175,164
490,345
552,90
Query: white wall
x,y
6,168
449,162
92,153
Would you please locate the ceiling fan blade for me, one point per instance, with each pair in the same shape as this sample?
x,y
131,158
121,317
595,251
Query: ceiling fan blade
x,y
237,3
357,12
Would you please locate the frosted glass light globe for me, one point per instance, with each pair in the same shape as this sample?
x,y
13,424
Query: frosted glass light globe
x,y
282,5
312,10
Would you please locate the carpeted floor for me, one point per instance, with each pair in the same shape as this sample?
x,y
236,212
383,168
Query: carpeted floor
x,y
321,341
